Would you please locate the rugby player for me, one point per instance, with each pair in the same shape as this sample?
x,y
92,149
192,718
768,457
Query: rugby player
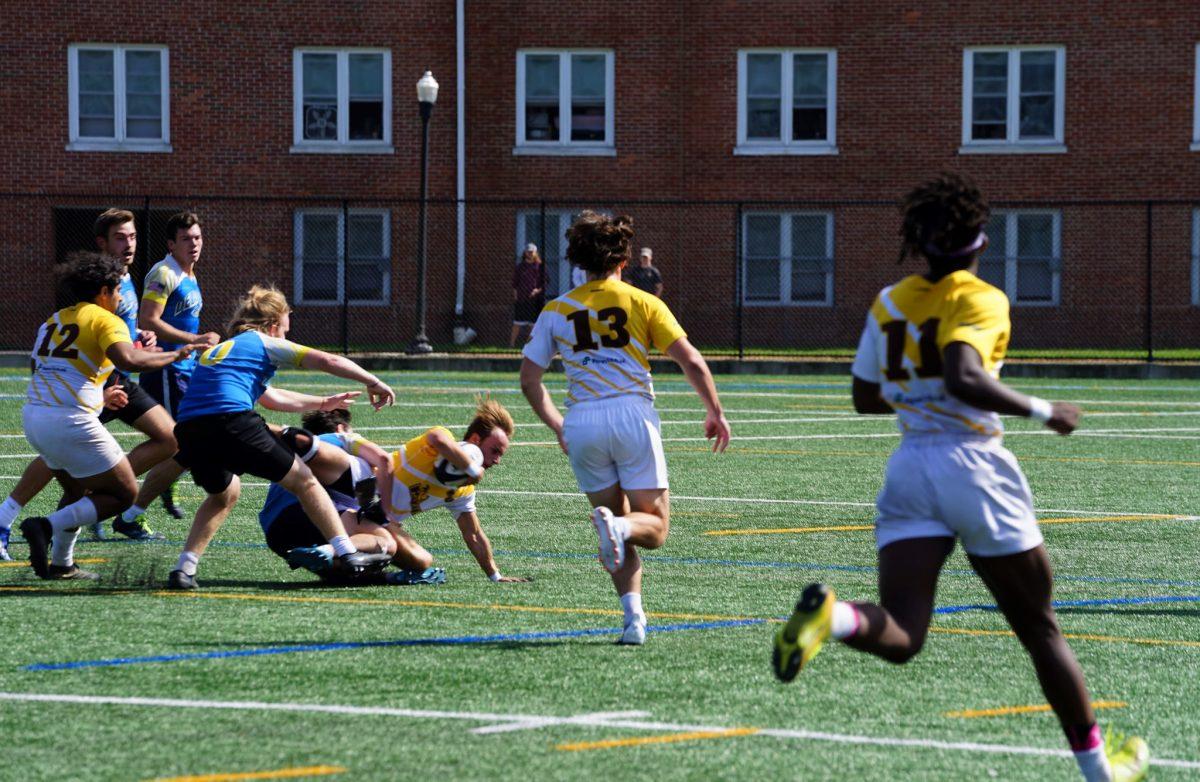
x,y
930,354
221,437
75,351
604,330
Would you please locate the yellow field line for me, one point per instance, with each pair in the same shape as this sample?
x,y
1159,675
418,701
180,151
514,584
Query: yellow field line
x,y
667,739
1004,711
279,773
1076,637
1087,519
864,527
89,561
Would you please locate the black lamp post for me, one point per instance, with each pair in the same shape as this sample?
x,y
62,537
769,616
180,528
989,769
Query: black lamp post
x,y
427,90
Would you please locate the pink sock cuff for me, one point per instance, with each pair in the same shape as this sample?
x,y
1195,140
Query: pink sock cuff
x,y
1083,738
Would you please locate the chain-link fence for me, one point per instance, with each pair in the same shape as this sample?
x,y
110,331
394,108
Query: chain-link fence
x,y
1086,279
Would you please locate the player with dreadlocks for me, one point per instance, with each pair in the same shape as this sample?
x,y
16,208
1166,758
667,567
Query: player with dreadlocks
x,y
931,354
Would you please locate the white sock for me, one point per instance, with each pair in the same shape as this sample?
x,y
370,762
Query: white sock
x,y
77,514
1093,764
188,561
62,547
342,545
631,602
845,620
132,513
9,511
621,527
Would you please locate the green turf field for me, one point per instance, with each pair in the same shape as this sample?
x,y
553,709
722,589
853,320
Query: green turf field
x,y
265,670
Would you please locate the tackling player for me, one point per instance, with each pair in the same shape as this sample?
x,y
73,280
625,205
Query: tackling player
x,y
604,330
931,354
221,437
75,351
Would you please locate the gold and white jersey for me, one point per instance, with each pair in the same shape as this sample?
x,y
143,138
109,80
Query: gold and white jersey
x,y
69,360
604,330
909,326
416,485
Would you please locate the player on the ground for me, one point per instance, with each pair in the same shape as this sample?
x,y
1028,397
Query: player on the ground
x,y
171,304
116,235
931,354
221,437
433,470
604,330
75,351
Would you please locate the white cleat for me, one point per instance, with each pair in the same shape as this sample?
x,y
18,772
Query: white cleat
x,y
635,633
612,542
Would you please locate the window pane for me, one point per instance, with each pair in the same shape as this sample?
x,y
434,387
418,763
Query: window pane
x,y
809,96
319,75
1035,281
1037,116
992,271
989,91
366,236
587,97
763,118
321,238
762,235
96,94
366,281
807,285
992,260
366,76
1037,72
96,71
763,74
1037,94
1035,236
541,97
320,281
808,236
762,279
366,120
143,128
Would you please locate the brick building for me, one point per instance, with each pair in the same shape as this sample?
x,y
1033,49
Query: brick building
x,y
760,147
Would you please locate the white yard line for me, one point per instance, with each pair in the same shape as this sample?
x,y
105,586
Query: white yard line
x,y
527,721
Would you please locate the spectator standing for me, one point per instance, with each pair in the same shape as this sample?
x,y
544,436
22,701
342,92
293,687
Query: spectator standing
x,y
529,292
644,275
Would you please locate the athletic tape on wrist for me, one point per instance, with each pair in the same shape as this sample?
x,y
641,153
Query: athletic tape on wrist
x,y
496,576
1040,409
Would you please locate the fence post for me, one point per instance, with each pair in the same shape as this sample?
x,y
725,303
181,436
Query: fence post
x,y
542,248
345,282
1150,282
737,279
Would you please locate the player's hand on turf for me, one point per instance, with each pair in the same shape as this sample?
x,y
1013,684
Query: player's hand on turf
x,y
1064,418
513,580
339,401
381,395
715,426
210,338
115,397
148,339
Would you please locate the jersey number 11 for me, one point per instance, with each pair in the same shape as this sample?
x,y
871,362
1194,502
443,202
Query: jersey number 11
x,y
931,358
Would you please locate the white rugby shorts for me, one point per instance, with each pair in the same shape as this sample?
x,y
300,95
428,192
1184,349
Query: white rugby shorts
x,y
71,440
615,440
956,486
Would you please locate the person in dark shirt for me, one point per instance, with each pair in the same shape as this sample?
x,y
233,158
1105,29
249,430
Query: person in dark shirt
x,y
644,275
529,292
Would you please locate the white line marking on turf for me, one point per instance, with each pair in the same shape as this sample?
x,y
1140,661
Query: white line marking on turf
x,y
545,722
599,721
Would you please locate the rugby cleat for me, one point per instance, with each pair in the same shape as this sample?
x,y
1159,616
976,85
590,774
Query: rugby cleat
x,y
70,573
179,580
168,501
634,634
314,559
612,541
37,531
432,575
799,640
5,533
97,530
361,562
137,529
1129,758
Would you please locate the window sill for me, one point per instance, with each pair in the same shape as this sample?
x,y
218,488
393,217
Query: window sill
x,y
785,149
786,304
99,145
342,149
1195,146
565,150
1013,149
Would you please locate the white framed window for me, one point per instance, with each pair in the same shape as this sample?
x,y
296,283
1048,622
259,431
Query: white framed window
x,y
1013,99
325,273
787,258
118,98
1196,104
1196,257
1024,255
787,102
342,100
565,102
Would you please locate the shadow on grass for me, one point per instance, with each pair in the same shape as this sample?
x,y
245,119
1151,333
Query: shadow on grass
x,y
1191,613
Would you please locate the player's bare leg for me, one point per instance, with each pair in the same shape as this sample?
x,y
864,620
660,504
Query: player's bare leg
x,y
159,428
35,478
408,554
209,517
153,454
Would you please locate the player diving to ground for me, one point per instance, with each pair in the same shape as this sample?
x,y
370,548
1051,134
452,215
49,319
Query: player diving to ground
x,y
604,330
75,351
930,354
221,437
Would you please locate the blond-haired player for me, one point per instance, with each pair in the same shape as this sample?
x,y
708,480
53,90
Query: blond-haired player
x,y
76,349
604,330
931,353
419,481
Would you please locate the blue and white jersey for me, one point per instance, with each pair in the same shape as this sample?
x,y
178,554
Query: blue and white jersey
x,y
280,499
179,295
127,306
231,375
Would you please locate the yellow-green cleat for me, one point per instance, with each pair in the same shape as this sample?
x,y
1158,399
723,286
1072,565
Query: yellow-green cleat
x,y
1129,758
801,637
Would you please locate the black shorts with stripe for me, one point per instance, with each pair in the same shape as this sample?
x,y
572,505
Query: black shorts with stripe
x,y
217,447
138,405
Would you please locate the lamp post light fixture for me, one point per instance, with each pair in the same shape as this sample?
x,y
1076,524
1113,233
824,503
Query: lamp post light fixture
x,y
427,90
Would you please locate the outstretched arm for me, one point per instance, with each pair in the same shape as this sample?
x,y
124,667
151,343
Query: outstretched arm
x,y
481,547
340,366
539,399
967,380
695,369
127,358
283,401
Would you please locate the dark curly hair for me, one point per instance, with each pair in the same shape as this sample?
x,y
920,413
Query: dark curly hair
x,y
598,244
325,421
942,216
83,274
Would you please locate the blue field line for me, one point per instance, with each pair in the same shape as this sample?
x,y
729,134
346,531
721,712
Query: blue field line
x,y
1112,601
339,646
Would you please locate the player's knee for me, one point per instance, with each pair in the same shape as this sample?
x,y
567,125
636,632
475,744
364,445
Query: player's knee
x,y
901,654
422,559
125,492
